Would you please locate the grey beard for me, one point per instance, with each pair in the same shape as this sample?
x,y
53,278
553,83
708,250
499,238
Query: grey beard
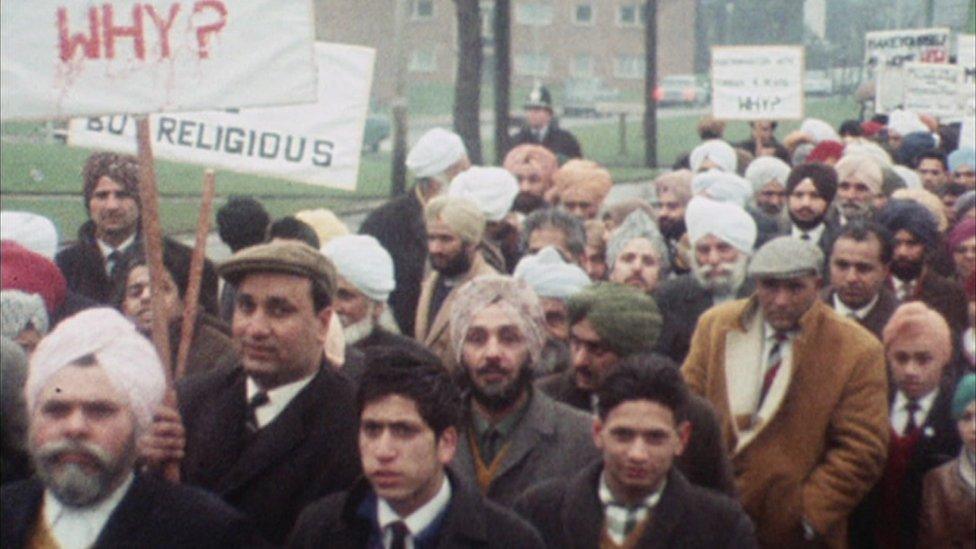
x,y
358,331
726,285
71,485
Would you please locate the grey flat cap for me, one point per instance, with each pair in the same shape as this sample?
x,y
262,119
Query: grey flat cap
x,y
786,257
289,257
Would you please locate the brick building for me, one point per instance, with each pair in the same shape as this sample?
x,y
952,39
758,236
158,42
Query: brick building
x,y
552,40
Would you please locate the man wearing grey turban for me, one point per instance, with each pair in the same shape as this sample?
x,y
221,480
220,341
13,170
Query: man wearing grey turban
x,y
498,333
637,254
91,390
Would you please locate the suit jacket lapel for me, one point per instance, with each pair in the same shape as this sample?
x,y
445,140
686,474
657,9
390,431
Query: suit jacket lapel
x,y
536,424
582,513
276,439
742,375
667,514
221,435
129,516
422,323
21,512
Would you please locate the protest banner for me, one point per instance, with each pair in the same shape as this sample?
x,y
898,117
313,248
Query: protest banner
x,y
885,53
61,58
935,89
318,144
757,82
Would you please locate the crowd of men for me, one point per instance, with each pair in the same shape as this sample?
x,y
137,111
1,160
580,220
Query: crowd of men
x,y
772,345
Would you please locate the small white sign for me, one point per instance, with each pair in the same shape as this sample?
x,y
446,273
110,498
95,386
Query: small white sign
x,y
757,82
885,52
935,89
318,144
62,58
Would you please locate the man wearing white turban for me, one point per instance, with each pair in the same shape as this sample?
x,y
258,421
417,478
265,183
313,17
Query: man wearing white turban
x,y
92,387
493,190
554,281
713,154
498,331
722,186
363,286
722,237
436,158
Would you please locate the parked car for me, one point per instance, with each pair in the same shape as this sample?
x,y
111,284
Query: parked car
x,y
582,96
377,129
681,89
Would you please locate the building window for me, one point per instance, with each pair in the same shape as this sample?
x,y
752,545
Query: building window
x,y
423,61
533,14
422,9
628,67
583,14
630,15
532,64
582,66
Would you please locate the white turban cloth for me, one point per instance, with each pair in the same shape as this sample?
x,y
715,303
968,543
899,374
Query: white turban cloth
x,y
18,309
492,189
364,262
723,187
727,222
127,358
868,148
765,169
550,276
435,151
819,130
909,176
716,150
515,296
905,122
34,232
638,225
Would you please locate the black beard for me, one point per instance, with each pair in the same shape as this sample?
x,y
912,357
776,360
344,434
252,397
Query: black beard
x,y
526,203
457,265
807,225
672,230
905,270
505,399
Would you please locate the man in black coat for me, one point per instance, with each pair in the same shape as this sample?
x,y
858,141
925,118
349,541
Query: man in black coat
x,y
634,497
762,141
410,410
542,129
91,391
399,224
276,430
111,237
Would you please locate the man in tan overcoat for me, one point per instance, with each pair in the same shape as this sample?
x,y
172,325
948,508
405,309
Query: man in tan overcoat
x,y
802,398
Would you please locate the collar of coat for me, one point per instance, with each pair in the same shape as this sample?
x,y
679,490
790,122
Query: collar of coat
x,y
810,321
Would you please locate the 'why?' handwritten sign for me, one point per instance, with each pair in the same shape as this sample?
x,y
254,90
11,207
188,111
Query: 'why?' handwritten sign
x,y
762,82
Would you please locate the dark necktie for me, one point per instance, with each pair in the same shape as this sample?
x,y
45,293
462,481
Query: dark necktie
x,y
772,366
400,533
911,425
259,399
805,236
112,262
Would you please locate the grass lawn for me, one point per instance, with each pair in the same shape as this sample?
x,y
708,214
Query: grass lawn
x,y
28,166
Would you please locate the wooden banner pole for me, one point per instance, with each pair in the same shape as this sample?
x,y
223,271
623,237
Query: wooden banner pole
x,y
191,303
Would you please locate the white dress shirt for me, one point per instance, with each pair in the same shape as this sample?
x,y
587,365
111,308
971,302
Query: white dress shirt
x,y
845,311
619,517
903,288
899,410
106,250
418,520
278,398
78,528
815,233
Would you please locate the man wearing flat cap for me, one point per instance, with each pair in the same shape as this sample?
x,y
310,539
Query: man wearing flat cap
x,y
801,395
455,227
541,127
512,436
91,391
276,430
437,157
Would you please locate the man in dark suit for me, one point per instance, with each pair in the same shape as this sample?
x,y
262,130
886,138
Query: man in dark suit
x,y
111,237
276,430
511,436
399,225
722,236
859,260
923,432
93,385
634,497
762,141
541,127
409,413
810,189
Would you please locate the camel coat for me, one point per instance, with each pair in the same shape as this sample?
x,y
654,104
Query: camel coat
x,y
436,334
819,441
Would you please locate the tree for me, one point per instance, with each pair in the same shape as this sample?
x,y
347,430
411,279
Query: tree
x,y
502,31
467,86
650,82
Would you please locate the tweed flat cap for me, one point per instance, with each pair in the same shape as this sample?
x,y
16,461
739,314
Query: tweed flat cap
x,y
289,257
786,257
